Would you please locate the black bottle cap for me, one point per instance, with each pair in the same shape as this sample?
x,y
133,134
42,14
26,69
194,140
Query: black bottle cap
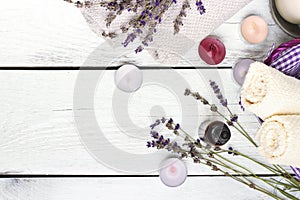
x,y
217,133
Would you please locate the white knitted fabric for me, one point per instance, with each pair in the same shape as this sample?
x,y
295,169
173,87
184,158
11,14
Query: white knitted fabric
x,y
267,92
195,28
279,139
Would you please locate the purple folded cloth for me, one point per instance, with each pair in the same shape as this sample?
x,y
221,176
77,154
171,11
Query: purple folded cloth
x,y
296,170
285,58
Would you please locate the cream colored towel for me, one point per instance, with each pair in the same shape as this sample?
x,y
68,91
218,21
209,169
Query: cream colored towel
x,y
279,139
267,92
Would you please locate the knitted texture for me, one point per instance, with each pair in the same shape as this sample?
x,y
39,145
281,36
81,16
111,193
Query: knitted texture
x,y
267,92
167,47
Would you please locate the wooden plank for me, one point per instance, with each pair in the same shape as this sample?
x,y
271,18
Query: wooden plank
x,y
256,7
39,134
210,188
56,34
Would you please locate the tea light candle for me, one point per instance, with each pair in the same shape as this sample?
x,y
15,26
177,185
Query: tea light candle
x,y
173,172
212,50
240,70
289,10
128,78
254,29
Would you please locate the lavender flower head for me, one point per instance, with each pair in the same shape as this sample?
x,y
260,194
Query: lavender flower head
x,y
241,105
200,7
218,93
159,141
296,170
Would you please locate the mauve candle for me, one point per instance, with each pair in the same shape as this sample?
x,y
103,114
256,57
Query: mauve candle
x,y
128,78
173,172
212,50
254,29
240,70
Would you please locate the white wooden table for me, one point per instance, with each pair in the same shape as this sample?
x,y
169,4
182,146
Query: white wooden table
x,y
42,156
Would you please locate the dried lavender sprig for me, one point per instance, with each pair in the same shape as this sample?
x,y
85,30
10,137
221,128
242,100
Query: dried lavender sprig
x,y
148,20
223,100
178,21
241,129
214,108
197,143
270,183
285,174
218,93
148,15
177,130
206,157
233,117
193,145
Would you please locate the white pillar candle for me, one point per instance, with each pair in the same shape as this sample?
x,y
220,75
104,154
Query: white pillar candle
x,y
128,78
289,10
254,29
173,172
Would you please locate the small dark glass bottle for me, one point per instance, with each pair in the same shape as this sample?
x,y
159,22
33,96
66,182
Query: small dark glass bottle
x,y
216,133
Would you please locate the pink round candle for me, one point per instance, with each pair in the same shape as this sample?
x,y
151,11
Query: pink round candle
x,y
240,70
173,172
254,29
212,50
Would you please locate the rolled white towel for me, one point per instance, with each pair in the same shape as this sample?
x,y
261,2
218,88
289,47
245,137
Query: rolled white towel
x,y
267,92
279,139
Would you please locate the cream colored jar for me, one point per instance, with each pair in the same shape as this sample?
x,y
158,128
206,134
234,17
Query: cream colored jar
x,y
289,10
